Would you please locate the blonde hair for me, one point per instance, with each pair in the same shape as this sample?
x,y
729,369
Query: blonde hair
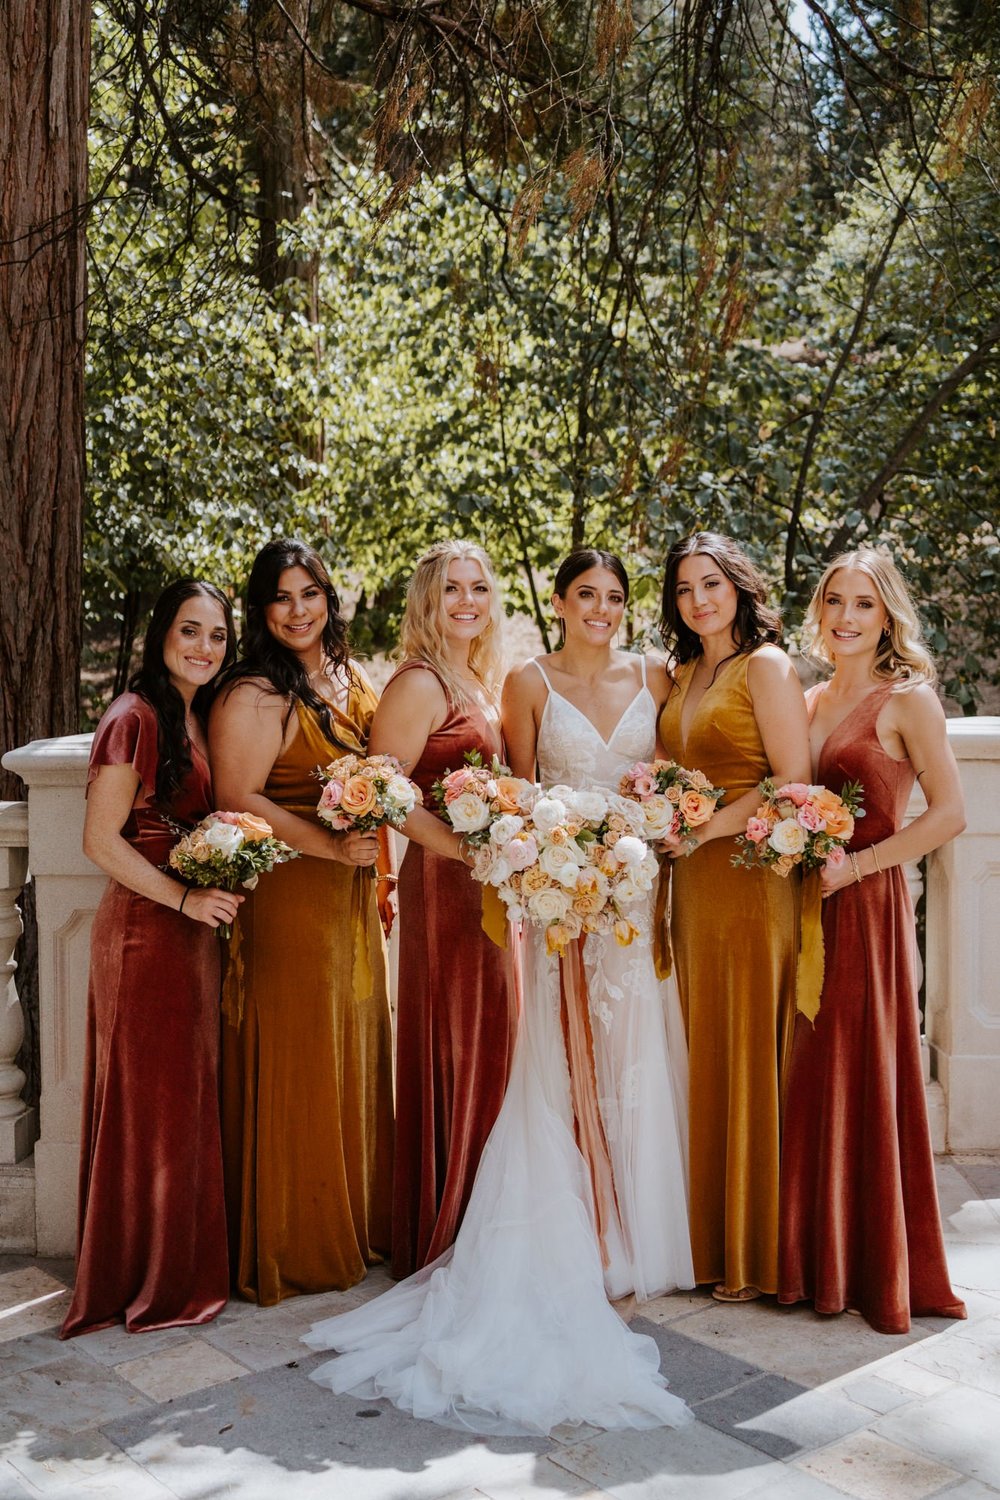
x,y
901,655
421,633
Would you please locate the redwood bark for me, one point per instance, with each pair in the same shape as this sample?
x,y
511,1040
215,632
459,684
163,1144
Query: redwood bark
x,y
44,80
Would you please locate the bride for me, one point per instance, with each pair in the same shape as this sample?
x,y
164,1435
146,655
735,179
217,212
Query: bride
x,y
511,1330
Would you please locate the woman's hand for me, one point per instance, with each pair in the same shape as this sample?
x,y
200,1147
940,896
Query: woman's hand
x,y
679,846
833,878
212,906
355,848
385,901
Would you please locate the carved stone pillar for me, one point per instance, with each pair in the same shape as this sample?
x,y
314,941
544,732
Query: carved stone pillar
x,y
17,1121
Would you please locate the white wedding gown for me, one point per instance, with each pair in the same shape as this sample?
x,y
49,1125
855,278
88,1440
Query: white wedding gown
x,y
511,1331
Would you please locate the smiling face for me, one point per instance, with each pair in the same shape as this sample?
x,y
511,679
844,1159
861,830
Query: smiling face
x,y
465,601
195,645
592,607
297,615
852,616
706,597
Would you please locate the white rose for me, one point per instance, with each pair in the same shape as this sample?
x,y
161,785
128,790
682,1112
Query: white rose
x,y
400,790
500,871
630,850
225,837
657,816
505,827
468,813
558,862
591,805
627,889
550,905
547,813
788,837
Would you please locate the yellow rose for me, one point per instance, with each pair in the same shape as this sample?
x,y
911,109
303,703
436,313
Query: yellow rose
x,y
625,931
357,798
533,879
253,829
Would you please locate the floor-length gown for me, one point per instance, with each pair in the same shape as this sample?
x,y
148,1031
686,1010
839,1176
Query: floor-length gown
x,y
307,1065
455,1018
735,937
860,1226
511,1331
151,1247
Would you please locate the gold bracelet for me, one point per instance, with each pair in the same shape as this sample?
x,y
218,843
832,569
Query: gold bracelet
x,y
878,867
854,866
389,879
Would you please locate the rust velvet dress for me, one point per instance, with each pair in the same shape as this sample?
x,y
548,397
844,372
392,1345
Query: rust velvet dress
x,y
860,1226
151,1245
735,938
455,1020
307,1060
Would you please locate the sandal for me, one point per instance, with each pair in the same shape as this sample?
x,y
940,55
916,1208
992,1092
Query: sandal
x,y
740,1294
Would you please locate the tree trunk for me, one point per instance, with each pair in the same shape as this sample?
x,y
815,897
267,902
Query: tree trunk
x,y
44,77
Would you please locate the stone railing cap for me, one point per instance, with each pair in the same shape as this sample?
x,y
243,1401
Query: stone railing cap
x,y
975,738
13,825
56,762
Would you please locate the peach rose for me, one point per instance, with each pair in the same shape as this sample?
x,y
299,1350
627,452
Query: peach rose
x,y
508,794
358,797
839,822
695,808
795,791
534,879
254,829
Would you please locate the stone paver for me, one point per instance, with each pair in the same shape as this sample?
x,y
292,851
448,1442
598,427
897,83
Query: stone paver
x,y
788,1405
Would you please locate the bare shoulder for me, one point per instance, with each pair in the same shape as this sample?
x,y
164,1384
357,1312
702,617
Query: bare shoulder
x,y
249,696
415,690
524,684
916,708
658,675
360,676
770,666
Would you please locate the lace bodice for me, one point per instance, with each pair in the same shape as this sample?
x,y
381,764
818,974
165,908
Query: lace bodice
x,y
572,751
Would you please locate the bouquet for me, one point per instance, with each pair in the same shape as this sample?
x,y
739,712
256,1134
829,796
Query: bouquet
x,y
673,801
228,849
472,797
364,792
568,861
798,824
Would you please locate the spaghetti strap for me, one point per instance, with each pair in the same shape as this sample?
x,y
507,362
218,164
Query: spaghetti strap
x,y
642,660
545,676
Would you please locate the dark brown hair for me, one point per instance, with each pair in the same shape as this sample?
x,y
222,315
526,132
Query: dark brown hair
x,y
756,622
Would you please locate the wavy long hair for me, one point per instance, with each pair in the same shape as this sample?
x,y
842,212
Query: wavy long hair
x,y
756,622
901,655
262,656
152,683
422,631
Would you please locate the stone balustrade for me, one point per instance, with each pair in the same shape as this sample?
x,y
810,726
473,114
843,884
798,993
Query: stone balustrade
x,y
962,984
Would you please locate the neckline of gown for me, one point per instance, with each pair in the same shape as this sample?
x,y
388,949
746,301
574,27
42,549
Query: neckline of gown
x,y
685,687
607,743
880,689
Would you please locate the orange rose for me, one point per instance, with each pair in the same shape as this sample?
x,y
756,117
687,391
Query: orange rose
x,y
357,798
695,808
253,829
508,792
839,822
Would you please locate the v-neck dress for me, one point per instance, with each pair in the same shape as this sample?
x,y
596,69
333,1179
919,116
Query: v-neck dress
x,y
735,938
860,1226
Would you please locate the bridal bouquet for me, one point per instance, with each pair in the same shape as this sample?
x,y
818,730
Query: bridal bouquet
x,y
673,801
798,824
228,849
365,792
572,862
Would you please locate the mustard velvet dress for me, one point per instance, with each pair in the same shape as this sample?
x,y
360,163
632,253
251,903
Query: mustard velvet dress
x,y
307,1061
735,939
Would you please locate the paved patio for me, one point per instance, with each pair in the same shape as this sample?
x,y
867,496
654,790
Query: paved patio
x,y
790,1406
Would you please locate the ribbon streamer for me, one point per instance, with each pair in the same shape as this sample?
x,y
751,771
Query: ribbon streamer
x,y
811,962
663,959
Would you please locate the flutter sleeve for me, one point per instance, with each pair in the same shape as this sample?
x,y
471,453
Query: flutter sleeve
x,y
128,735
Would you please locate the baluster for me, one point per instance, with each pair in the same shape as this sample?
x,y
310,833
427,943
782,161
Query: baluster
x,y
17,1133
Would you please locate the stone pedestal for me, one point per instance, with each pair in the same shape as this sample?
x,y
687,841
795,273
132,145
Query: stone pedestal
x,y
963,947
67,890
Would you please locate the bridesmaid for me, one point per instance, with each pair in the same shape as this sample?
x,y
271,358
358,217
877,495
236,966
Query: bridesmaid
x,y
151,1248
456,1015
307,1068
737,713
860,1227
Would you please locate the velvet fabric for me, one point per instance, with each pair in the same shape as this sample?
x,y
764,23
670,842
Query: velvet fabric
x,y
307,1071
151,1245
860,1226
735,938
455,1020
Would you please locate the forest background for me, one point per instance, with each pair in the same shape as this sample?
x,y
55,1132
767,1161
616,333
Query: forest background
x,y
535,272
